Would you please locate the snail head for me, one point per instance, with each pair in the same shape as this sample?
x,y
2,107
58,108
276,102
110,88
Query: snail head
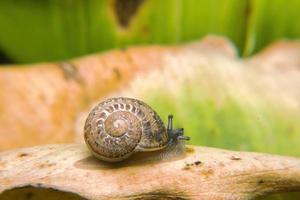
x,y
175,134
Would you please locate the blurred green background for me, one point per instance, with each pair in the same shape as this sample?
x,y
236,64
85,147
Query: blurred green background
x,y
34,31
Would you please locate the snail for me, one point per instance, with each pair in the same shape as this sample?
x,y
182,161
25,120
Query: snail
x,y
119,127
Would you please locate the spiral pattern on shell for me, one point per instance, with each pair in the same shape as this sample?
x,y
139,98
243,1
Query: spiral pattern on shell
x,y
118,127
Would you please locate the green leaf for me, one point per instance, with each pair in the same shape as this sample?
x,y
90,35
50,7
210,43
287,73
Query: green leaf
x,y
48,30
222,104
271,20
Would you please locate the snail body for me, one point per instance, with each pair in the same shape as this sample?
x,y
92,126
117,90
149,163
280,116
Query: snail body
x,y
119,127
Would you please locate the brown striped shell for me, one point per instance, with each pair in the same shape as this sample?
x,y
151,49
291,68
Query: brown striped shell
x,y
119,127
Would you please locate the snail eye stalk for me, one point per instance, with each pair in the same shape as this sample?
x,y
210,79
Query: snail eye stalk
x,y
176,134
170,123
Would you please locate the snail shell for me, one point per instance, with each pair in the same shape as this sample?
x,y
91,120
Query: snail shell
x,y
119,127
